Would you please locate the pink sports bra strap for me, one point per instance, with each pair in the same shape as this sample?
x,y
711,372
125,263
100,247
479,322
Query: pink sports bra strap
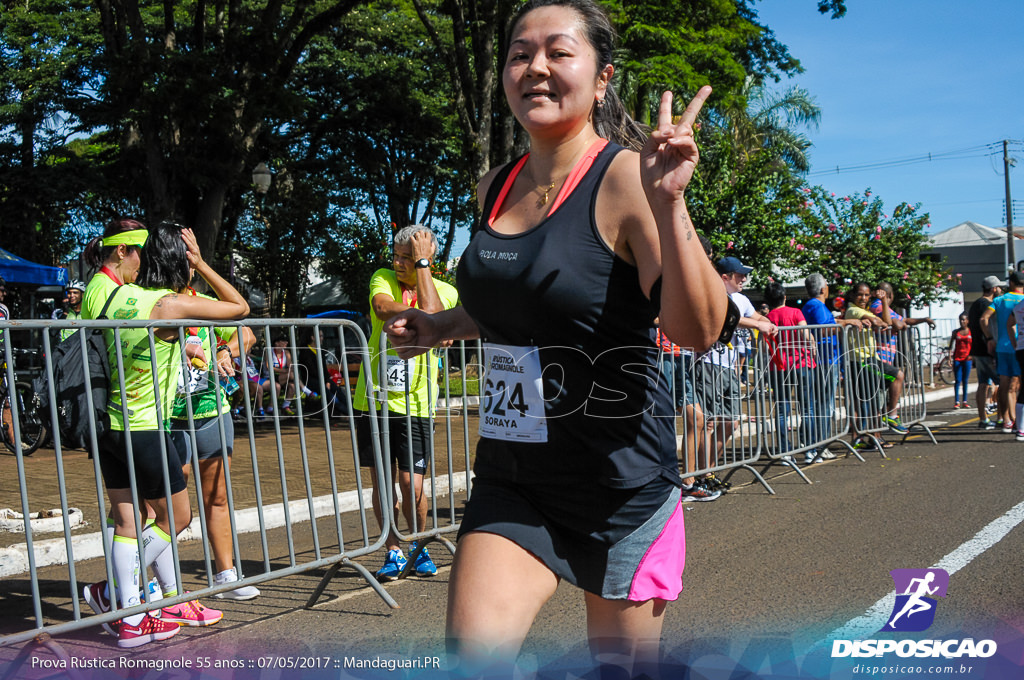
x,y
571,182
509,181
578,171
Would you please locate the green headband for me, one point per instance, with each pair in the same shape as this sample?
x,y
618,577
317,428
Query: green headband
x,y
136,237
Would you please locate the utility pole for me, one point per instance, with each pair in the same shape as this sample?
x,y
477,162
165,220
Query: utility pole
x,y
1009,207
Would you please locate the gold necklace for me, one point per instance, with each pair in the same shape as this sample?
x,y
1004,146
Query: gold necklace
x,y
543,200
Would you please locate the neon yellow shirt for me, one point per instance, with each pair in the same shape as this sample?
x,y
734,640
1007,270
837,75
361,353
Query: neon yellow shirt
x,y
134,302
862,340
205,382
96,293
418,374
71,315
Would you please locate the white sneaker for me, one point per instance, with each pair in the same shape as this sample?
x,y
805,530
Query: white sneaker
x,y
825,454
241,593
810,457
1020,436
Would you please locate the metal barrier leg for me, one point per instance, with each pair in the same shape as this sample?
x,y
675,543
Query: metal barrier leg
x,y
757,476
924,427
789,463
43,640
363,571
877,443
849,449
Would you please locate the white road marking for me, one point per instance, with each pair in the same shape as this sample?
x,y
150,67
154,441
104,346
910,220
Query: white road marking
x,y
875,617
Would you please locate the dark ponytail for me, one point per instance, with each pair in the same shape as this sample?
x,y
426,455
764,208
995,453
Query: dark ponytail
x,y
96,253
610,118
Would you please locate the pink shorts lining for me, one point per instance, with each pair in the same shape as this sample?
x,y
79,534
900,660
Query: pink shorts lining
x,y
660,572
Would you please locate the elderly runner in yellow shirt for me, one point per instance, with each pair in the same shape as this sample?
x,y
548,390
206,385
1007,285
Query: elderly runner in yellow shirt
x,y
411,387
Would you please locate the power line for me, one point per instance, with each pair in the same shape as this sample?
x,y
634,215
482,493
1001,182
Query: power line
x,y
980,151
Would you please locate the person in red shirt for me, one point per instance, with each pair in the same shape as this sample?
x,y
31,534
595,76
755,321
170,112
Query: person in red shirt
x,y
960,346
790,373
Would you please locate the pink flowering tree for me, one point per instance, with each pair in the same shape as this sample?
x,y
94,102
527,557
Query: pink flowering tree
x,y
856,238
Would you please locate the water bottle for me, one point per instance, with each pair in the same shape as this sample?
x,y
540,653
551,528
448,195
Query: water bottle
x,y
229,384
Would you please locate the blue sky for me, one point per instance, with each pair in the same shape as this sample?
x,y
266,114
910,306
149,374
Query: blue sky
x,y
899,79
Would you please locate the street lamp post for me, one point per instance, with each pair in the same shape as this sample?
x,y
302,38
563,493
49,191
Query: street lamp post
x,y
261,177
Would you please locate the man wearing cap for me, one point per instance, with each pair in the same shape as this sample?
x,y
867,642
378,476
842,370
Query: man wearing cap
x,y
717,379
72,309
984,363
993,323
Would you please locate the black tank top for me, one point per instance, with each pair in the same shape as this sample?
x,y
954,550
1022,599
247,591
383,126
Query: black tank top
x,y
561,288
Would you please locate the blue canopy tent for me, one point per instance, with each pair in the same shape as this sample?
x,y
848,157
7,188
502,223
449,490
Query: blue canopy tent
x,y
19,271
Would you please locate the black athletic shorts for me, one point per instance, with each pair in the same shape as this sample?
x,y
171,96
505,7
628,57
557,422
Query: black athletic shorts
x,y
405,435
149,465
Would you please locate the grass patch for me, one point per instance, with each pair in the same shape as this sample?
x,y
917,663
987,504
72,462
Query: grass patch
x,y
460,385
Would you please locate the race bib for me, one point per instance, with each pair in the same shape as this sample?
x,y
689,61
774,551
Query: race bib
x,y
192,378
512,404
398,372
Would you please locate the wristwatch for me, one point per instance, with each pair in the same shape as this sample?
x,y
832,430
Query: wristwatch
x,y
422,263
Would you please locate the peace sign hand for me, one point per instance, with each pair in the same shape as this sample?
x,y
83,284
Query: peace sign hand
x,y
670,155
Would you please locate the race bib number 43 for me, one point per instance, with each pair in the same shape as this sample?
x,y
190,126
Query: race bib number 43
x,y
398,373
512,405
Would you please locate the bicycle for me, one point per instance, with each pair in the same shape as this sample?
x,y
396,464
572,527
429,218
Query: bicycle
x,y
943,366
31,426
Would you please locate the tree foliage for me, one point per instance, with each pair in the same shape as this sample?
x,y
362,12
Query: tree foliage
x,y
187,89
374,115
854,238
744,206
44,47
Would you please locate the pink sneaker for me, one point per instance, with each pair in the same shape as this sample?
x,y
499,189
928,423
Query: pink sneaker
x,y
100,603
148,630
191,613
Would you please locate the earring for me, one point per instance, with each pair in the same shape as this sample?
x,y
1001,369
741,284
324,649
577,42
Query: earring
x,y
600,103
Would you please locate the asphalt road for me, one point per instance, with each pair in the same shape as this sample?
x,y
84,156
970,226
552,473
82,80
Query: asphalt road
x,y
767,578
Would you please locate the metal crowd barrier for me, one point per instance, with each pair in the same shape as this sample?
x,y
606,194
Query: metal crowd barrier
x,y
808,402
449,408
309,471
913,406
717,431
805,391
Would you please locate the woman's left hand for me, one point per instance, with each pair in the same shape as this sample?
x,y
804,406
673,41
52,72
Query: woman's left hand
x,y
195,258
670,156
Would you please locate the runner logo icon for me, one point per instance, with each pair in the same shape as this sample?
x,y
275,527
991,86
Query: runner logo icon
x,y
916,590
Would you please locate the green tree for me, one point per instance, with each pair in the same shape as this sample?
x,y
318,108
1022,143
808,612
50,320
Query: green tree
x,y
381,113
378,136
854,238
188,89
746,208
44,49
770,122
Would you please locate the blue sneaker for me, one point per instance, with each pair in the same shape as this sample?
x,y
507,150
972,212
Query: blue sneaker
x,y
424,565
394,564
894,424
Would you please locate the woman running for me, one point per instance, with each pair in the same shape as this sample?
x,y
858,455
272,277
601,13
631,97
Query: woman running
x,y
582,244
